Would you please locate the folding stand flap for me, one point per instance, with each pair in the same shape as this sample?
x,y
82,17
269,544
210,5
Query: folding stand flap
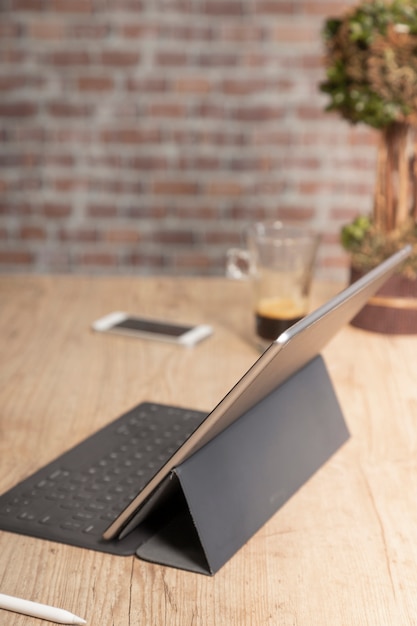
x,y
236,482
172,537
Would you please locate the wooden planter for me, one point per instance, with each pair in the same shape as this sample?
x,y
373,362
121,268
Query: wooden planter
x,y
393,309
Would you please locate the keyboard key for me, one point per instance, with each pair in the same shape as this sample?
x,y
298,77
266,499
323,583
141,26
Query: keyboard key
x,y
79,494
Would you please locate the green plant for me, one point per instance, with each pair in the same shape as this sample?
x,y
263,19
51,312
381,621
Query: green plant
x,y
372,63
368,246
371,77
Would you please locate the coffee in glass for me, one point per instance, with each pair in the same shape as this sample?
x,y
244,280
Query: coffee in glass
x,y
279,259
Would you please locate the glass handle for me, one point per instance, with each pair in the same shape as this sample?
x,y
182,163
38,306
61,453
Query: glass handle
x,y
237,264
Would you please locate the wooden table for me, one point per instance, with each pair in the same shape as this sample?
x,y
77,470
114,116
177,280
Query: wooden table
x,y
342,551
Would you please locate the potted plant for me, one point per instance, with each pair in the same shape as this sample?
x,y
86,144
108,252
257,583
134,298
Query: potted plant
x,y
371,78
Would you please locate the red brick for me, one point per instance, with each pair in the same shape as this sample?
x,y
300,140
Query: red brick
x,y
56,210
217,59
258,113
107,160
47,29
225,188
139,30
70,6
67,109
243,32
255,59
277,137
310,187
87,30
224,8
209,137
174,237
310,113
172,58
303,62
275,7
18,109
332,8
78,234
26,5
115,186
195,261
175,187
119,58
98,259
121,236
69,184
201,32
200,213
151,84
242,86
295,214
199,163
61,159
95,83
228,238
32,232
131,135
151,212
70,135
102,210
20,160
251,164
192,85
167,109
147,163
13,55
9,28
15,257
250,212
146,259
210,110
14,82
292,32
132,6
69,58
20,209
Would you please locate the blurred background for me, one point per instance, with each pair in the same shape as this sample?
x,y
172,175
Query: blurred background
x,y
141,136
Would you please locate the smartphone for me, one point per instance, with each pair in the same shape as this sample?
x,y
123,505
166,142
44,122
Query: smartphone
x,y
126,324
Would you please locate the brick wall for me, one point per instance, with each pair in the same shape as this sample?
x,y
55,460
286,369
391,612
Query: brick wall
x,y
142,135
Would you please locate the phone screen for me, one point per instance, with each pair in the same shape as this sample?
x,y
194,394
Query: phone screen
x,y
148,326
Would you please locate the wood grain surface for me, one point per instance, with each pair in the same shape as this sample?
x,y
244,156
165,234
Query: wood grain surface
x,y
341,552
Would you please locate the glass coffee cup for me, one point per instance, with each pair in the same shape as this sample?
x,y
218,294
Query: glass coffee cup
x,y
279,260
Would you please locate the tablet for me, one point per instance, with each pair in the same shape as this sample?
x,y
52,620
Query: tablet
x,y
291,351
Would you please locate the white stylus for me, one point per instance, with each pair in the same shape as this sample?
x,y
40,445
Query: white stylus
x,y
43,611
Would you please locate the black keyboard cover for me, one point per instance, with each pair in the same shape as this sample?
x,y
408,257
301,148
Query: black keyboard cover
x,y
74,498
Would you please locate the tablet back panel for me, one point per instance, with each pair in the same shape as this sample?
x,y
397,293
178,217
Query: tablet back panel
x,y
285,356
